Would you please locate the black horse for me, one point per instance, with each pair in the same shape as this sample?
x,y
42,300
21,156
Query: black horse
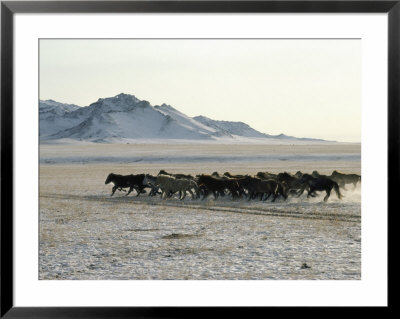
x,y
319,184
125,181
217,186
258,187
236,180
294,186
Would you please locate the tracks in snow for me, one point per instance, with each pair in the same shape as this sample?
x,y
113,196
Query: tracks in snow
x,y
285,210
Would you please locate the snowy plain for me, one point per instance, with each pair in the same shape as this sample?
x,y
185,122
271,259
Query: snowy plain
x,y
86,234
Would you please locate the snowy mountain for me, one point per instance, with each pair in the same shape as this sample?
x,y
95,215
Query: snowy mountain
x,y
227,128
124,117
53,117
49,108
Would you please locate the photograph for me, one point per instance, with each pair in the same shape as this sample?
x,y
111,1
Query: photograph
x,y
199,159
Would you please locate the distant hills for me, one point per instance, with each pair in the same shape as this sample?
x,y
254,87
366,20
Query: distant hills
x,y
125,118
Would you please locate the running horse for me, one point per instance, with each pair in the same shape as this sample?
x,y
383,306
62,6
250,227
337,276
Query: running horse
x,y
343,179
319,184
124,181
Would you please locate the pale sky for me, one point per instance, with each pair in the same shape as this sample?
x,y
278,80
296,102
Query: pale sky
x,y
304,88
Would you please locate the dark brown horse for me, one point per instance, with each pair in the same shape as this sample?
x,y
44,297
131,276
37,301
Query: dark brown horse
x,y
319,184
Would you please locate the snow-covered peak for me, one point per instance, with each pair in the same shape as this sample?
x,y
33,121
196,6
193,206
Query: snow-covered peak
x,y
124,116
119,103
51,107
230,128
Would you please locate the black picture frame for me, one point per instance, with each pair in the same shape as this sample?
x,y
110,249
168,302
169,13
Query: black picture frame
x,y
9,8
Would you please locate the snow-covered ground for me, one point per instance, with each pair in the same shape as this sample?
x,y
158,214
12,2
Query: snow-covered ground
x,y
155,151
86,234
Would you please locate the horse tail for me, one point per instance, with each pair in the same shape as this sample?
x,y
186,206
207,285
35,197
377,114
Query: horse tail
x,y
336,186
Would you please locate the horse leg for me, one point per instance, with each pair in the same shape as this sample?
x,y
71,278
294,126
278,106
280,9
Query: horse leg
x,y
139,191
310,191
301,191
113,190
184,195
191,193
130,190
328,193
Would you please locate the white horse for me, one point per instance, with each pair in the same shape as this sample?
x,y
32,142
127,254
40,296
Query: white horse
x,y
170,185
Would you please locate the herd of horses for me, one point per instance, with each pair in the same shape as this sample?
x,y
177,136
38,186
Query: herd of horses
x,y
261,186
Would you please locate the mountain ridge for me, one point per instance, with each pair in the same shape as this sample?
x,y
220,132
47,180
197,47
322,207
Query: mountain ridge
x,y
125,117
